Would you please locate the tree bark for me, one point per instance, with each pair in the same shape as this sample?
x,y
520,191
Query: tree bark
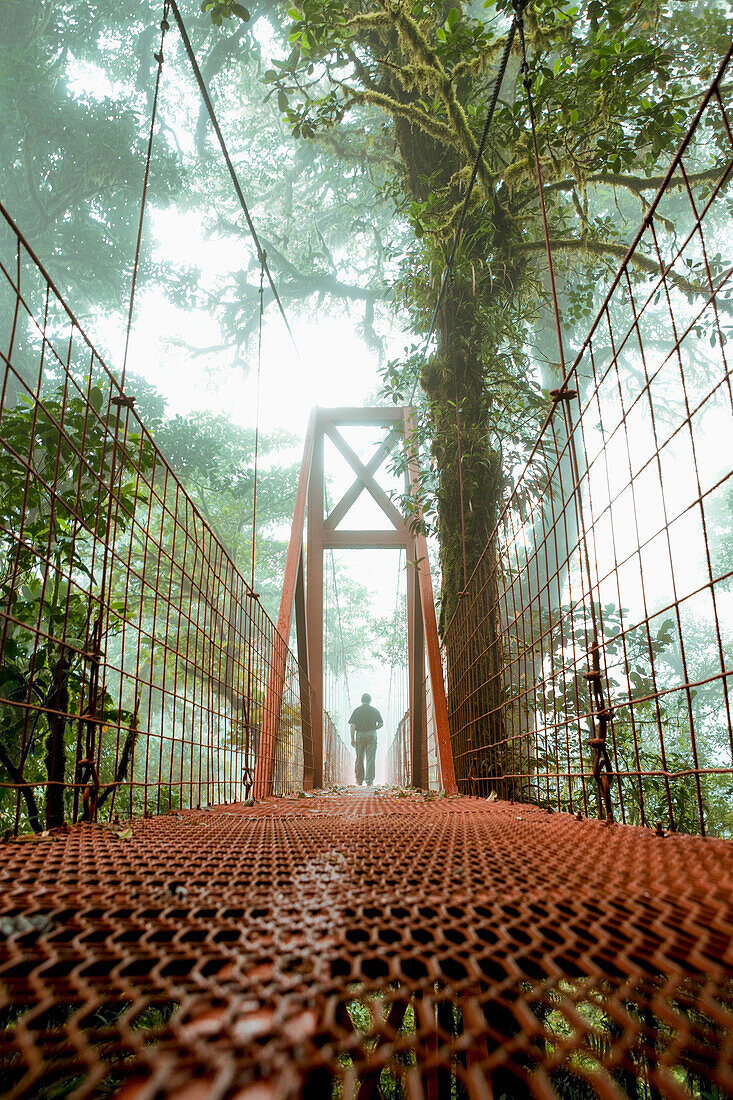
x,y
57,706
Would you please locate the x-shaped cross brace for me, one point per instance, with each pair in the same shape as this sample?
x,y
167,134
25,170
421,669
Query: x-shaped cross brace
x,y
364,478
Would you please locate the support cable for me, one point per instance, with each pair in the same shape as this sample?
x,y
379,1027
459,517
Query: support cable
x,y
527,81
448,269
232,171
164,26
602,712
341,630
338,617
460,488
396,609
257,414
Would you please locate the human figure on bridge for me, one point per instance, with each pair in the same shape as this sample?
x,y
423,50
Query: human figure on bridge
x,y
364,722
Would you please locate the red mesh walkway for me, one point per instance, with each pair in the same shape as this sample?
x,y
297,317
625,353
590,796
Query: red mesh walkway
x,y
342,946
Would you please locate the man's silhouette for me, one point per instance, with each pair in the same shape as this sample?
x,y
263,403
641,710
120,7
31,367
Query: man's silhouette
x,y
364,722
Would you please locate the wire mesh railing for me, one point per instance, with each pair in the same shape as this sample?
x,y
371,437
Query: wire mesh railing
x,y
134,657
590,658
399,758
337,761
399,768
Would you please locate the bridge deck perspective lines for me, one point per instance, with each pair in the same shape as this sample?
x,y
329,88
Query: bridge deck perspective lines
x,y
387,944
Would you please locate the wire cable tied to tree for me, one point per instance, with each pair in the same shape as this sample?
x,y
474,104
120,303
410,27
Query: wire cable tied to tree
x,y
164,26
602,714
263,261
448,269
341,631
261,255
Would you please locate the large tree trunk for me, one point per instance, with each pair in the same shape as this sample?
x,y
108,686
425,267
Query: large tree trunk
x,y
57,706
470,483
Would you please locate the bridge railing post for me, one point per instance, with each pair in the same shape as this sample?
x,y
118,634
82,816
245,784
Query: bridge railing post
x,y
293,578
429,620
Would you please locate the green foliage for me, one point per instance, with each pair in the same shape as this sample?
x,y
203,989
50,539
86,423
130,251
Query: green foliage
x,y
224,9
53,580
655,721
50,577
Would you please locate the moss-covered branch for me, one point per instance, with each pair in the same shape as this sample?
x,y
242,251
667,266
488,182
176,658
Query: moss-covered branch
x,y
408,111
619,251
639,184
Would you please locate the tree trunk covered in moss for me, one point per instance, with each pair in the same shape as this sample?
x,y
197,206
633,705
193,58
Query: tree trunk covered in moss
x,y
455,380
457,384
469,497
468,466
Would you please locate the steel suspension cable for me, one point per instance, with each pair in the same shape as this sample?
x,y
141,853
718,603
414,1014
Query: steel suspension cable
x,y
341,629
164,26
232,171
257,415
448,269
527,81
397,605
603,713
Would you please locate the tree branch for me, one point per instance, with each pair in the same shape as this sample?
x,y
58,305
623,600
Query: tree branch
x,y
368,22
619,251
638,184
34,816
408,111
443,85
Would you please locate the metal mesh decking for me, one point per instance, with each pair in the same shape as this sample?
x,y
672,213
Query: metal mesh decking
x,y
366,946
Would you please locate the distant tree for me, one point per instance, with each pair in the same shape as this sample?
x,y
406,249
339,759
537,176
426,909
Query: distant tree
x,y
72,148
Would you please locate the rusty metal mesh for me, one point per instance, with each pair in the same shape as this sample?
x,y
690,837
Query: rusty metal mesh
x,y
337,760
399,764
590,656
399,759
133,655
366,946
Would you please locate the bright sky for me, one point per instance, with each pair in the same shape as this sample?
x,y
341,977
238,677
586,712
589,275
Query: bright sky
x,y
334,369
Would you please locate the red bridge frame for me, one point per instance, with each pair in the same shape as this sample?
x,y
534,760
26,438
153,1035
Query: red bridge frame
x,y
303,591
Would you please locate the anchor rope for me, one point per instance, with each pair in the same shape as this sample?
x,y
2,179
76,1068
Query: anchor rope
x,y
164,26
261,255
257,416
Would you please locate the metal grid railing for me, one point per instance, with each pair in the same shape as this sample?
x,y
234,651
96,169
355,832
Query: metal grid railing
x,y
398,754
589,661
399,762
337,763
133,656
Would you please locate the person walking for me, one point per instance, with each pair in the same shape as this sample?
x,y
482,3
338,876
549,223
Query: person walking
x,y
364,722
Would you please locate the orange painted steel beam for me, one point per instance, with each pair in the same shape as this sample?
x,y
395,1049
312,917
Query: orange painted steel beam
x,y
430,623
353,493
365,475
314,591
265,767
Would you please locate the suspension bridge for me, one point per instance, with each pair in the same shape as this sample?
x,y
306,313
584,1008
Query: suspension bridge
x,y
540,903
